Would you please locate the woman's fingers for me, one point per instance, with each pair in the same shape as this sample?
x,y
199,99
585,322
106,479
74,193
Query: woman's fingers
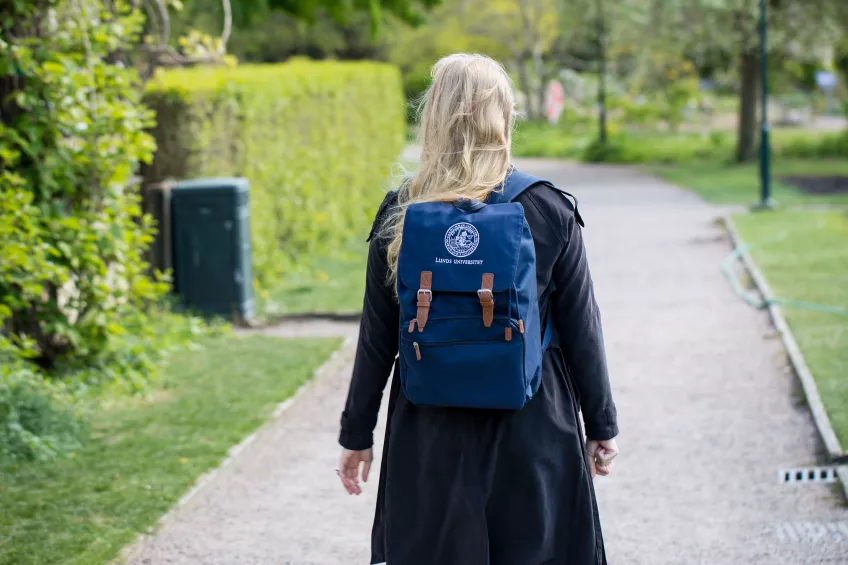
x,y
600,455
349,470
591,449
350,479
606,452
603,470
604,457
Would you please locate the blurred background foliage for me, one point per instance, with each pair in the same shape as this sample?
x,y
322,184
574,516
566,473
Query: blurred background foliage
x,y
665,65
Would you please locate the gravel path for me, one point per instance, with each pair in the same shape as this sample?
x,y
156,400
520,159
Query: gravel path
x,y
708,412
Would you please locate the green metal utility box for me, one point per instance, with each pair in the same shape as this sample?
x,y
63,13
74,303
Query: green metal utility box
x,y
210,234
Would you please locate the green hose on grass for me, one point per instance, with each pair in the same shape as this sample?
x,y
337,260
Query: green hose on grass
x,y
761,303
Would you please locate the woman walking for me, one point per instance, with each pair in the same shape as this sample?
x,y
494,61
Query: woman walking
x,y
476,471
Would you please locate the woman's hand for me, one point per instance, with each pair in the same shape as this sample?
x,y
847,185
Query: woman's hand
x,y
349,468
601,453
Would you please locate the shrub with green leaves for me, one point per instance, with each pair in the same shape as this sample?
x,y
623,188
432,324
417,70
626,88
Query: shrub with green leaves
x,y
38,418
315,139
542,140
828,145
72,129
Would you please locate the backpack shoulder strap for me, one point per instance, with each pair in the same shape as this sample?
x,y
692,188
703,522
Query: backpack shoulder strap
x,y
517,183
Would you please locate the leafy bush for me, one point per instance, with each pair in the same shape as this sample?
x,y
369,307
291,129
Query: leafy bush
x,y
622,147
613,151
661,92
41,416
37,418
717,146
821,146
540,140
638,110
533,139
72,131
315,139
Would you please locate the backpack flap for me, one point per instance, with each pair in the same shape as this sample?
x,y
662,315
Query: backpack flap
x,y
459,247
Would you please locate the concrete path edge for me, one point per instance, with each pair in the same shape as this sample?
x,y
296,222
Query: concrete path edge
x,y
796,357
334,362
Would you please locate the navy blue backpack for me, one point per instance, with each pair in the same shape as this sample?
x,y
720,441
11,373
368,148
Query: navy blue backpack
x,y
470,333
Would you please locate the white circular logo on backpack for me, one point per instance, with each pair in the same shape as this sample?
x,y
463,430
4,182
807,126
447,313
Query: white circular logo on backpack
x,y
461,239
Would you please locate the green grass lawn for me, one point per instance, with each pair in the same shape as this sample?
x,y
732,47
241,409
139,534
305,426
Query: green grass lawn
x,y
809,261
328,285
739,184
145,452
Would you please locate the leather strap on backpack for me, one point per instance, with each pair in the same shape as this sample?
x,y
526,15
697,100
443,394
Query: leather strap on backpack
x,y
487,299
425,296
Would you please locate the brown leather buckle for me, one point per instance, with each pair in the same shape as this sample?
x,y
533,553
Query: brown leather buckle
x,y
425,297
487,299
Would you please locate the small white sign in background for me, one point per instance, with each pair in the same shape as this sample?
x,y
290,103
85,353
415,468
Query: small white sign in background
x,y
554,101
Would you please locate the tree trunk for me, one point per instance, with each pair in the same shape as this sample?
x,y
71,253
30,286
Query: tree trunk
x,y
749,78
543,78
525,60
602,73
602,103
526,89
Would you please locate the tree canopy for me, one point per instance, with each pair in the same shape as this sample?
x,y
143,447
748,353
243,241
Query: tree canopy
x,y
410,11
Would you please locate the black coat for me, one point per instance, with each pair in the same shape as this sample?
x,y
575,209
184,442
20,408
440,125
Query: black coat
x,y
475,487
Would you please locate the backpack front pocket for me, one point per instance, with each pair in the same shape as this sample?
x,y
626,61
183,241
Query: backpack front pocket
x,y
440,368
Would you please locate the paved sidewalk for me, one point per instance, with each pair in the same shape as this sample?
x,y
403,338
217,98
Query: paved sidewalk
x,y
708,413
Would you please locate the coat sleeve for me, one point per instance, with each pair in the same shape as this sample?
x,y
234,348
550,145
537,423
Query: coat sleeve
x,y
375,351
578,323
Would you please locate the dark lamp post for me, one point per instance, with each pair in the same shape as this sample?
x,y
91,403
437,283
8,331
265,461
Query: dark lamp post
x,y
765,145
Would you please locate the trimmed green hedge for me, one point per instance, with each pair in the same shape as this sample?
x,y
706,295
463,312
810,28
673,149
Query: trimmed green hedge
x,y
315,139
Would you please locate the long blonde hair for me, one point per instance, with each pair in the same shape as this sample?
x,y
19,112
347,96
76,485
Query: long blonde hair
x,y
465,136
